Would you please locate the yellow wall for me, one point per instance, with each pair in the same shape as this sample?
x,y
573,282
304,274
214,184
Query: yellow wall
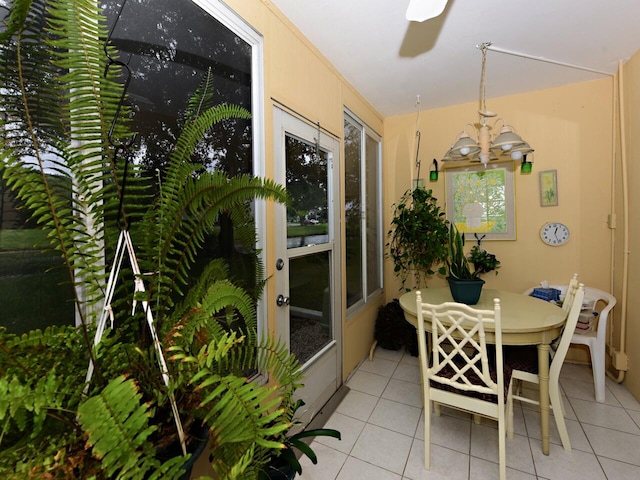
x,y
631,108
297,75
571,130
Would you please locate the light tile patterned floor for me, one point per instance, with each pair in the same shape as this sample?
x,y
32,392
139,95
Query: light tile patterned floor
x,y
382,426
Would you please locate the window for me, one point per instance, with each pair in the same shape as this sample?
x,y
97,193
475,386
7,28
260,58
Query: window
x,y
168,45
362,211
481,200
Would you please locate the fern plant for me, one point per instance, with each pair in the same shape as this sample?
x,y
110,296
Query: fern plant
x,y
58,157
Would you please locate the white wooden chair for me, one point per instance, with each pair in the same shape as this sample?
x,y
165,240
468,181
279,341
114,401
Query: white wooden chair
x,y
461,374
569,293
524,361
565,292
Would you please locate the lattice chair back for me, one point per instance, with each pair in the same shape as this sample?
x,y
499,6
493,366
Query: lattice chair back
x,y
460,358
461,373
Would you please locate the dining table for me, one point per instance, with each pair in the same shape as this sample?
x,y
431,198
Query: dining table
x,y
525,321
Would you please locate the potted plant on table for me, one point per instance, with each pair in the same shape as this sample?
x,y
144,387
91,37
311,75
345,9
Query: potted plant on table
x,y
463,270
191,347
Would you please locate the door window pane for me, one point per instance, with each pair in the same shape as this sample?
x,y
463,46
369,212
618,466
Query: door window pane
x,y
306,182
35,288
310,305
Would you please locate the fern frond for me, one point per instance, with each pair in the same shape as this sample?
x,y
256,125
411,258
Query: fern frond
x,y
202,99
117,426
189,213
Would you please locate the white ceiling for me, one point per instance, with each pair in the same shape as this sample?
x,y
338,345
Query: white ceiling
x,y
390,60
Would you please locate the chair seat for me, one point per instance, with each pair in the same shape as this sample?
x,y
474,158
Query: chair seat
x,y
449,372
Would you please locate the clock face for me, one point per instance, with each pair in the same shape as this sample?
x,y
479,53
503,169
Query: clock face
x,y
554,234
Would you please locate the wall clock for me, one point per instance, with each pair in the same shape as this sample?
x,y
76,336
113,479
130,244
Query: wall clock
x,y
554,234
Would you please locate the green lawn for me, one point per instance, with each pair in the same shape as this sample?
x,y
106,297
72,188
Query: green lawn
x,y
34,285
23,239
304,230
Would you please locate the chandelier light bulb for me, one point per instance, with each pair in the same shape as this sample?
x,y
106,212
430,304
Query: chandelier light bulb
x,y
465,150
517,155
507,147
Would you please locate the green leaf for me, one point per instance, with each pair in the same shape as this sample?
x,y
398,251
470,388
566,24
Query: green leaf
x,y
117,427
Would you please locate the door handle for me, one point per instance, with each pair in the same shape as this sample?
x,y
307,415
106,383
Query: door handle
x,y
282,300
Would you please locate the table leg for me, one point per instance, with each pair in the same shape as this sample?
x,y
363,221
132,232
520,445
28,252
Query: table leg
x,y
543,378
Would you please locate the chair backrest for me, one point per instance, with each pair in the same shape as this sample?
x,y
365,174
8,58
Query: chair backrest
x,y
460,358
602,302
571,291
567,332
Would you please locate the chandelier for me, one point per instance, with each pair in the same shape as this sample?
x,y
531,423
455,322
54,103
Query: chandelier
x,y
478,144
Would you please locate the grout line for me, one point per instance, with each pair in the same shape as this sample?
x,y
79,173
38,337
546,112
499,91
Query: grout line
x,y
531,440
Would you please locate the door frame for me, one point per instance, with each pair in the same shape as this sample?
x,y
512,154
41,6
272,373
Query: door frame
x,y
286,122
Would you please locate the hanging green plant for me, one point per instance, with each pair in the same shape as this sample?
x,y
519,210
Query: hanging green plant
x,y
418,236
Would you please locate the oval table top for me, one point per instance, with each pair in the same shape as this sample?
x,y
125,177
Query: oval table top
x,y
525,320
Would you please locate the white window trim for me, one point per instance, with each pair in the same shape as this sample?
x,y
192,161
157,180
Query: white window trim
x,y
367,130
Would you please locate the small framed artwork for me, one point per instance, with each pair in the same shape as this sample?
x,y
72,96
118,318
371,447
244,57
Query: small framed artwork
x,y
549,188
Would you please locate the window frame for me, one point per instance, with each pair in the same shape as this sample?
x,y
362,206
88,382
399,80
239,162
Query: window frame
x,y
367,131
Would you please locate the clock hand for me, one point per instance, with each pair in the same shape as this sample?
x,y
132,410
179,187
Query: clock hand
x,y
555,233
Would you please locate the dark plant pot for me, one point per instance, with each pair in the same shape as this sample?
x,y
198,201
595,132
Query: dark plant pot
x,y
466,291
199,434
279,470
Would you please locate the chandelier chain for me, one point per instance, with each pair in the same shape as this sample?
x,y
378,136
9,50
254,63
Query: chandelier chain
x,y
483,47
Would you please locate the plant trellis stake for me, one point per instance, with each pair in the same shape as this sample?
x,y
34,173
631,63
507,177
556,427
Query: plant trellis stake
x,y
125,245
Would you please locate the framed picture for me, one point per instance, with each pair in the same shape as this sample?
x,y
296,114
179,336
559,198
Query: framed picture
x,y
549,188
481,200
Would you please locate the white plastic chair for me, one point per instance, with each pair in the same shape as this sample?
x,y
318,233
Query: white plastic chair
x,y
461,375
524,361
595,337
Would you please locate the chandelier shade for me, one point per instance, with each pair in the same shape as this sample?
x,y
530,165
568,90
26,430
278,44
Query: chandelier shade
x,y
464,146
506,140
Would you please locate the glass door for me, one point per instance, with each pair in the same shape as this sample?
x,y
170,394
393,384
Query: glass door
x,y
308,255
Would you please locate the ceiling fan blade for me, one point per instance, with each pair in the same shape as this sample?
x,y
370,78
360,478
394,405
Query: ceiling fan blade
x,y
421,10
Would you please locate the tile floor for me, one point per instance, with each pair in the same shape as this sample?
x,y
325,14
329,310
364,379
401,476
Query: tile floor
x,y
382,426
